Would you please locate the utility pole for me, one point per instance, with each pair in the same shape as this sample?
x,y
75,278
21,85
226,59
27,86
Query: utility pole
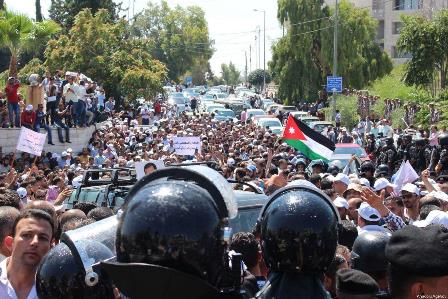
x,y
245,69
335,53
256,53
264,51
250,59
259,47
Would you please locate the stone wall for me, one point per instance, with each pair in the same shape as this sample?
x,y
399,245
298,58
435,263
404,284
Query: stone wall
x,y
79,138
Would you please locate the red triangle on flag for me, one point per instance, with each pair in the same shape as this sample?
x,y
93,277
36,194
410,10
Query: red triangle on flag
x,y
292,130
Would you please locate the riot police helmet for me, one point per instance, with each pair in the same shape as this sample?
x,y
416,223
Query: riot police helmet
x,y
420,142
299,230
382,170
366,167
368,253
407,138
67,272
175,218
389,141
333,169
443,140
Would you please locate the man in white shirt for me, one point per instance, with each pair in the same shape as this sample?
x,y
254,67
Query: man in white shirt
x,y
30,242
71,94
81,105
7,217
369,219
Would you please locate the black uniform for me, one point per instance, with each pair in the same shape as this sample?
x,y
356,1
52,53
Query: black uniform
x,y
298,229
439,156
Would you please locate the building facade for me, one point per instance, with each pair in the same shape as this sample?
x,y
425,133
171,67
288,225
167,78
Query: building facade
x,y
388,13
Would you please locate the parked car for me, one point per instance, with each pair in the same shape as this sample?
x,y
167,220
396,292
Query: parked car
x,y
308,119
252,112
249,208
319,126
272,123
351,149
224,115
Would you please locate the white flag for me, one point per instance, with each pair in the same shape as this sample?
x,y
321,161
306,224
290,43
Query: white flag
x,y
31,142
406,174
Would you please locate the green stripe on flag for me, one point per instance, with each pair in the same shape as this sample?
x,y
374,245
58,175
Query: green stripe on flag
x,y
304,149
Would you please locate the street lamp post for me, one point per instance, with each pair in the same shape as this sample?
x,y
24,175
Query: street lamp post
x,y
264,46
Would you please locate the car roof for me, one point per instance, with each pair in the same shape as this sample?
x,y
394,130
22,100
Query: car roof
x,y
347,145
224,109
246,198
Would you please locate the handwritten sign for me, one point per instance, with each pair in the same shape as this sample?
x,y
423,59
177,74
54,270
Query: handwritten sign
x,y
140,167
186,146
31,142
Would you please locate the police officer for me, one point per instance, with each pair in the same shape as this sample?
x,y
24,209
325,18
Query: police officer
x,y
403,152
417,155
299,232
439,156
382,171
68,270
172,237
368,255
367,171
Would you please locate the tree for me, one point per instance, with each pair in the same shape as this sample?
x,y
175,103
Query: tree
x,y
19,34
177,36
38,11
103,49
426,41
230,74
256,77
303,58
64,11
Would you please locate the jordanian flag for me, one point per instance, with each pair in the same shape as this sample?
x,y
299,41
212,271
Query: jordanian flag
x,y
309,142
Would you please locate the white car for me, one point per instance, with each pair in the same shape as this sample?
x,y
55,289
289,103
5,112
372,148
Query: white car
x,y
272,124
212,108
252,112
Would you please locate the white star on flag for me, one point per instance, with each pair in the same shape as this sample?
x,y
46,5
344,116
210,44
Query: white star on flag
x,y
291,130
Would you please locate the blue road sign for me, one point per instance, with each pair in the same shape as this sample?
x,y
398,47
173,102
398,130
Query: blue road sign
x,y
334,84
188,80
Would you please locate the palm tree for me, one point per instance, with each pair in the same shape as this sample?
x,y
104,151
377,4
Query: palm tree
x,y
19,34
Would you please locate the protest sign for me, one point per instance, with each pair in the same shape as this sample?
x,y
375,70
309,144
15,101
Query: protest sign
x,y
186,146
140,167
31,142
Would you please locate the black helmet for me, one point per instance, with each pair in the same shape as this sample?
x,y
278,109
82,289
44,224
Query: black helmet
x,y
389,141
407,138
175,218
333,169
382,170
367,166
299,230
443,139
420,142
66,272
368,253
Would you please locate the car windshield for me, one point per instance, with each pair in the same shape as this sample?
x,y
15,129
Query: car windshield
x,y
228,113
221,96
245,220
257,112
320,127
270,123
213,108
358,151
308,121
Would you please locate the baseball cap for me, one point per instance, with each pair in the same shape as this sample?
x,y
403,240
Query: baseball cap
x,y
230,161
29,107
368,213
354,187
251,167
340,177
382,183
22,192
434,217
411,188
341,202
365,182
64,154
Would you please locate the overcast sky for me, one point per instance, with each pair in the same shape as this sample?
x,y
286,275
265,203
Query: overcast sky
x,y
232,25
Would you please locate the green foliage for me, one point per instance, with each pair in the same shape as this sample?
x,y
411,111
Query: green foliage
x,y
256,77
19,34
103,50
348,109
35,66
305,54
177,36
426,40
230,74
65,11
392,86
397,117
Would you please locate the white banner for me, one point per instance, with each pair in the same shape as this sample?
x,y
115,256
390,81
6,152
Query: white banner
x,y
31,142
140,167
406,174
187,146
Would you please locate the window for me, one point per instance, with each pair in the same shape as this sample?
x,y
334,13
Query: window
x,y
407,4
396,27
396,54
380,30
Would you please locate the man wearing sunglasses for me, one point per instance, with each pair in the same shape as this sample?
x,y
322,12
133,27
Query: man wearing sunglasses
x,y
410,194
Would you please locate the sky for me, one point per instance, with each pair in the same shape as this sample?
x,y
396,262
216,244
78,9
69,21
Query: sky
x,y
232,25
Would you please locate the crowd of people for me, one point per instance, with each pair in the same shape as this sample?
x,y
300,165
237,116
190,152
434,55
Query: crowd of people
x,y
382,225
72,101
